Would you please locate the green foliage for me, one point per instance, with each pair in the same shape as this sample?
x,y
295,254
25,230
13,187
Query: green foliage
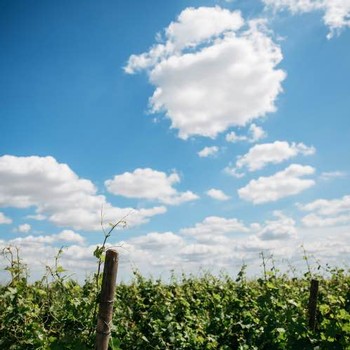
x,y
193,313
49,314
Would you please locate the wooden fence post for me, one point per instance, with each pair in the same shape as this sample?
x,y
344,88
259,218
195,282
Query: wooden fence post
x,y
313,304
105,313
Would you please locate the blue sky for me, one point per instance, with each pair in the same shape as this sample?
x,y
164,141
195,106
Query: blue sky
x,y
220,129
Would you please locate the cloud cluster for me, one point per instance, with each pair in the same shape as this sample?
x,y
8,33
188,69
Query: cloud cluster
x,y
325,212
215,243
59,194
149,184
336,12
282,184
213,71
218,242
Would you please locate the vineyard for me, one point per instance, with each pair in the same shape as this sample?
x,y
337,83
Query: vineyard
x,y
206,312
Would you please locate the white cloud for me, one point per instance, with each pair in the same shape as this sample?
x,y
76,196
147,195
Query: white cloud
x,y
261,155
328,207
217,194
215,226
330,244
153,252
282,228
149,184
24,228
157,241
4,219
314,220
198,252
282,184
38,217
69,236
336,12
327,212
59,194
233,137
255,133
210,74
64,236
330,175
230,170
193,26
208,151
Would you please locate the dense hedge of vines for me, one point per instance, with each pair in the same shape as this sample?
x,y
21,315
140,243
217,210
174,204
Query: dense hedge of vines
x,y
191,313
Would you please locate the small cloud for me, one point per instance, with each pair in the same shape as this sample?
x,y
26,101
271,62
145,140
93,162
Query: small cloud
x,y
4,219
229,170
330,175
255,133
217,194
69,236
25,228
233,137
208,151
38,217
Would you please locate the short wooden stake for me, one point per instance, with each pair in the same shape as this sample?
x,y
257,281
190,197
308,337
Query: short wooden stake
x,y
313,304
105,313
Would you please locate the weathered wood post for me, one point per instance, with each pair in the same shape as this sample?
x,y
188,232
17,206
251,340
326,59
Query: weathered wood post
x,y
105,313
313,304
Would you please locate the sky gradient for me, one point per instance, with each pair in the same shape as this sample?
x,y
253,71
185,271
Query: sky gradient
x,y
216,129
